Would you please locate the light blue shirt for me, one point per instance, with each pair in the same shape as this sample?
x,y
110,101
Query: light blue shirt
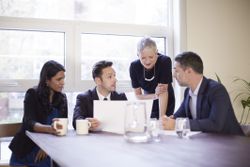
x,y
193,100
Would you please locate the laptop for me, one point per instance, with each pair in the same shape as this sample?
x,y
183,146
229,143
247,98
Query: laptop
x,y
111,114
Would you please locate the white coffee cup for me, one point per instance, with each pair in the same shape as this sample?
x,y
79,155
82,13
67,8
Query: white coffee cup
x,y
82,126
64,123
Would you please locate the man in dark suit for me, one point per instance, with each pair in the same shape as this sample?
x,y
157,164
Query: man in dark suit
x,y
206,102
105,78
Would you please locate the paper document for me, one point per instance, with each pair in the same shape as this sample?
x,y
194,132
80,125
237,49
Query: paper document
x,y
111,114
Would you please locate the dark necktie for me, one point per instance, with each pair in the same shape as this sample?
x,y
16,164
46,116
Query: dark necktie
x,y
105,98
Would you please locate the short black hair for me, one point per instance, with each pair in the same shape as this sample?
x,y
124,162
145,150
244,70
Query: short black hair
x,y
99,66
190,59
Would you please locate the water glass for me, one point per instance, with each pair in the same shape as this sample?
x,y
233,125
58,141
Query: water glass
x,y
182,127
154,129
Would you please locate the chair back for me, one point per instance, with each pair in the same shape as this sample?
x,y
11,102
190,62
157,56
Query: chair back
x,y
7,130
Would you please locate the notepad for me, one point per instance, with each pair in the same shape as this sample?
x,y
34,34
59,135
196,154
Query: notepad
x,y
111,114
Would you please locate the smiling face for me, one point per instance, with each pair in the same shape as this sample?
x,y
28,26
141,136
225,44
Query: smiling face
x,y
148,57
107,81
56,83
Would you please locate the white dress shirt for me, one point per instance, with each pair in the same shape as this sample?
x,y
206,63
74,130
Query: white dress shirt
x,y
101,97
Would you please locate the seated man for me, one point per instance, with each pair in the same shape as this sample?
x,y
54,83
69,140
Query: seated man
x,y
105,79
206,102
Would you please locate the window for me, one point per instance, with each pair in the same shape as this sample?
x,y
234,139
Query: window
x,y
24,52
121,50
11,106
76,33
145,12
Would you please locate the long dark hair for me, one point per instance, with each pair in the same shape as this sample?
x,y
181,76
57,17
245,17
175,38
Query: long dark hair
x,y
49,70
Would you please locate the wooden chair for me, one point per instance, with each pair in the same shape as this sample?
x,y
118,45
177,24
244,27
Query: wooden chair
x,y
6,131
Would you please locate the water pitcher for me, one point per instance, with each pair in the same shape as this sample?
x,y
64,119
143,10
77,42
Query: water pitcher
x,y
136,122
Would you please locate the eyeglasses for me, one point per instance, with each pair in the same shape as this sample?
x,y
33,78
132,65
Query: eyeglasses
x,y
149,79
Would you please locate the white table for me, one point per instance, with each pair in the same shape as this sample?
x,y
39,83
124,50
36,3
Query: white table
x,y
107,149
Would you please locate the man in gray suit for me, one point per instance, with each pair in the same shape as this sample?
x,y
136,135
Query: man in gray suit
x,y
105,78
206,102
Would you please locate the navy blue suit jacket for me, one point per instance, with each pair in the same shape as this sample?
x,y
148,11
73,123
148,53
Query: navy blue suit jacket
x,y
214,110
84,104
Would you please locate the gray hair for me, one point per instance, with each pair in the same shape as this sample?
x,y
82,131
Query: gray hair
x,y
146,42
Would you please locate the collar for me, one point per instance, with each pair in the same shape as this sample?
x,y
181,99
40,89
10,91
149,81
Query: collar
x,y
101,97
195,93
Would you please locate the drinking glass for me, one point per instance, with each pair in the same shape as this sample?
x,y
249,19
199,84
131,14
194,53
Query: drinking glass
x,y
154,129
136,122
182,127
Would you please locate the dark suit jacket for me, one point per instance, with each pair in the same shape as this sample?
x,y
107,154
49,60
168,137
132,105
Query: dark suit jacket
x,y
84,104
214,110
34,111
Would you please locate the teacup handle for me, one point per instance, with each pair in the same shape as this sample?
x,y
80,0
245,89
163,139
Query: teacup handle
x,y
89,124
54,124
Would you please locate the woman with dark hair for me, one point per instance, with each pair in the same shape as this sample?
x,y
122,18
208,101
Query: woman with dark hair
x,y
42,105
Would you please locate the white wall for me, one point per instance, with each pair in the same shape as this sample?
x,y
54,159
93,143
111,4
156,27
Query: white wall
x,y
219,31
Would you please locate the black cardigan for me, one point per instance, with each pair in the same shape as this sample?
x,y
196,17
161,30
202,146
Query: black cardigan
x,y
34,112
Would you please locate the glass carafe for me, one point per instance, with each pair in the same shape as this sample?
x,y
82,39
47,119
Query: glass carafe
x,y
136,122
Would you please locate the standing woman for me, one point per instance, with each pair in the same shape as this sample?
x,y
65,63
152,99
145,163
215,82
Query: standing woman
x,y
42,105
151,78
